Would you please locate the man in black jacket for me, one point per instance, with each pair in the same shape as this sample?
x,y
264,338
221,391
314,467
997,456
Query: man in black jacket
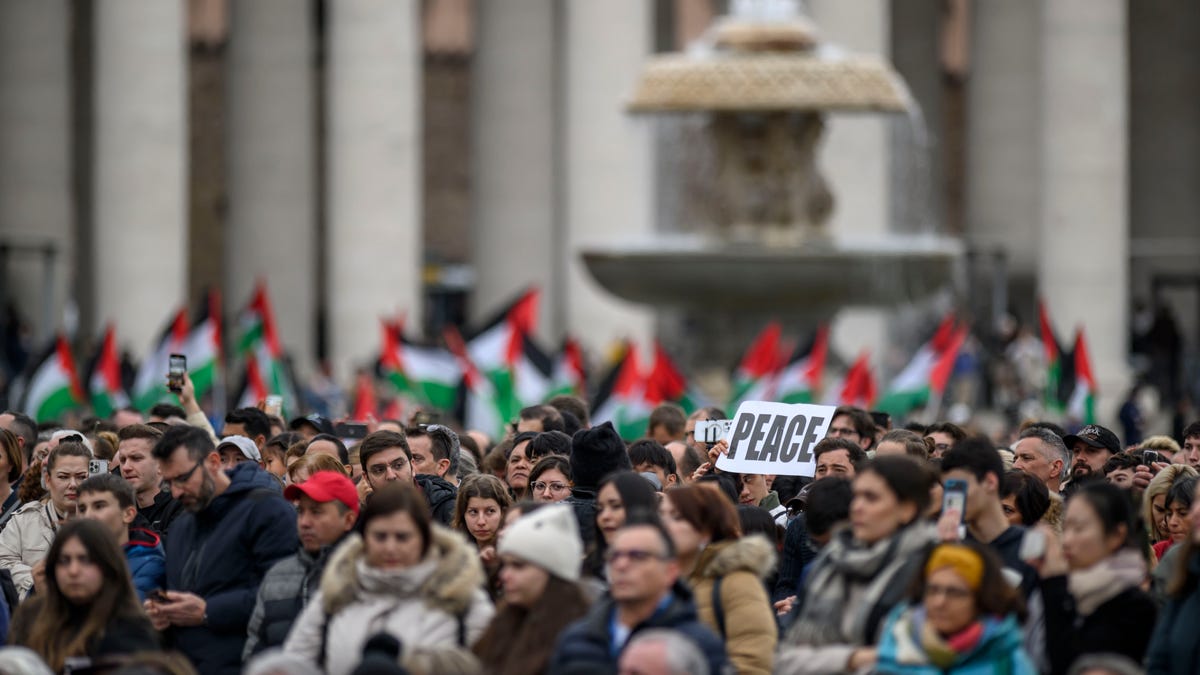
x,y
435,451
327,507
644,592
236,526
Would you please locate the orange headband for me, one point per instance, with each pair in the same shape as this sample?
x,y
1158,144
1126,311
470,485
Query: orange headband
x,y
966,562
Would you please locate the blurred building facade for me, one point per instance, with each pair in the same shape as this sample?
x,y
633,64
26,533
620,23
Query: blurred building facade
x,y
433,158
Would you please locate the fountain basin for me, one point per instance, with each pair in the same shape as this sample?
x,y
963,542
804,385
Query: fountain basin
x,y
813,278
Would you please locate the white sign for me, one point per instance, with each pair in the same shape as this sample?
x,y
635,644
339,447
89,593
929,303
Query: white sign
x,y
775,438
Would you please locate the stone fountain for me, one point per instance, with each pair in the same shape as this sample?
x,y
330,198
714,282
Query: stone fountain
x,y
752,240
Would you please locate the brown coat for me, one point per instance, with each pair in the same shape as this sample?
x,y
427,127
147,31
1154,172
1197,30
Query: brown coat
x,y
750,630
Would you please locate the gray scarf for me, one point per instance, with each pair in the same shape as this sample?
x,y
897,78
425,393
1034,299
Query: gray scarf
x,y
881,571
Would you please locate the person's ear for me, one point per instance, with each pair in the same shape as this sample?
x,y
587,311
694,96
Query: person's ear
x,y
129,515
349,518
213,461
907,511
1056,471
1117,539
443,465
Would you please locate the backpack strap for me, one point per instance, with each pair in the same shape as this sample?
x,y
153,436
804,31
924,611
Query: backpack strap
x,y
462,630
324,651
717,607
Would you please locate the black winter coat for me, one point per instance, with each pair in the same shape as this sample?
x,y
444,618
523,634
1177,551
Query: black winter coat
x,y
221,554
440,494
1122,625
1174,649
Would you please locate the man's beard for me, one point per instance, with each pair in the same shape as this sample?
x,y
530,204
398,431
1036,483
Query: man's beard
x,y
207,489
1081,471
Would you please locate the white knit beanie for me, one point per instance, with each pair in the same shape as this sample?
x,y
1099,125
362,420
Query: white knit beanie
x,y
548,538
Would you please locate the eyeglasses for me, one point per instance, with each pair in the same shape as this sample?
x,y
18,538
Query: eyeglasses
x,y
542,486
380,470
613,556
183,477
840,432
950,592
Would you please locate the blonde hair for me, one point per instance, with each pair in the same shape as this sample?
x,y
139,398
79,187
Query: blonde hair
x,y
314,463
1159,485
1165,443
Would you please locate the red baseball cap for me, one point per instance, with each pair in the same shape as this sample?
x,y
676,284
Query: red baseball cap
x,y
325,486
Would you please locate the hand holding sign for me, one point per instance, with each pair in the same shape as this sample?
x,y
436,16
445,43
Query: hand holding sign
x,y
775,438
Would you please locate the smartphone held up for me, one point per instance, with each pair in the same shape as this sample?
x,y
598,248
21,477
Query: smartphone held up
x,y
176,369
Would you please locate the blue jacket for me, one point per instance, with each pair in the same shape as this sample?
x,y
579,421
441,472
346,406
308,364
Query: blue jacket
x,y
221,554
588,642
1000,651
147,561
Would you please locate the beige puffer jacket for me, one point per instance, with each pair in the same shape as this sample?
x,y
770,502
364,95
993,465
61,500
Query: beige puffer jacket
x,y
422,606
26,540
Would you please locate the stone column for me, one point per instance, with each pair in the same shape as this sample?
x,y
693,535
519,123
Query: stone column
x,y
374,243
1083,236
1003,146
514,232
36,203
272,222
140,166
855,160
609,171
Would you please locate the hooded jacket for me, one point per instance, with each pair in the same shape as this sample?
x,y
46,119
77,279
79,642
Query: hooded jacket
x,y
587,642
26,540
283,594
147,561
750,631
999,649
440,494
222,554
424,605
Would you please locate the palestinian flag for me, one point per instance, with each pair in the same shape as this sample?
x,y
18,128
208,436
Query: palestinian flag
x,y
799,379
568,376
425,376
621,397
150,384
53,385
857,387
1054,363
666,384
754,378
260,339
478,408
203,346
253,389
916,385
505,354
1082,405
104,384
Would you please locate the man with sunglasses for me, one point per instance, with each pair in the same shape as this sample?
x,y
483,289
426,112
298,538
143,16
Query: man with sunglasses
x,y
645,592
434,449
236,525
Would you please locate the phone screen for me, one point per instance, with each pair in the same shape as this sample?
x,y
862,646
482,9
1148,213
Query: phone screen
x,y
176,367
954,499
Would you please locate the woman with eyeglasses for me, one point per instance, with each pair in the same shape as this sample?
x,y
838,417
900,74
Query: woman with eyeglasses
x,y
550,479
863,571
86,613
404,575
542,596
725,572
479,513
962,617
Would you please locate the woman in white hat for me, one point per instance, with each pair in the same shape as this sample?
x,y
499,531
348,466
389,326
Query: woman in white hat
x,y
541,555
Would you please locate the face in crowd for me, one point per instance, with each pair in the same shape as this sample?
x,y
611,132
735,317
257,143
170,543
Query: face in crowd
x,y
387,466
191,481
63,479
138,466
516,474
392,542
639,565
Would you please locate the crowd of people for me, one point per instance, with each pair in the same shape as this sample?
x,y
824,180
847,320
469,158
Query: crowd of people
x,y
151,544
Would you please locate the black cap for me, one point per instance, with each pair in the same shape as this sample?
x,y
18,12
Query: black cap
x,y
1096,436
321,424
